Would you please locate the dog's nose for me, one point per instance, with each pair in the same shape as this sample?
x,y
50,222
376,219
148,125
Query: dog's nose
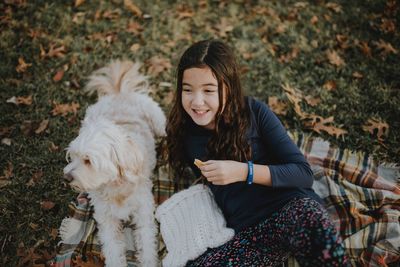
x,y
68,177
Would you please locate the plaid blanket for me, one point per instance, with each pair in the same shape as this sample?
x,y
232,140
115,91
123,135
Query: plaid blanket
x,y
362,198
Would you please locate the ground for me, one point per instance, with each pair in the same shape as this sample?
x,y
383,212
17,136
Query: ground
x,y
327,67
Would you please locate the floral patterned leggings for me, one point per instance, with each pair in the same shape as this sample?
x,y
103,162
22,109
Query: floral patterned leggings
x,y
302,227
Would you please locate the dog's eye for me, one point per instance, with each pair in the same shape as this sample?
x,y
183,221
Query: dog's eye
x,y
86,161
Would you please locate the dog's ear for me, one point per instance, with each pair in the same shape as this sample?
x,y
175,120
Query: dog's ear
x,y
129,159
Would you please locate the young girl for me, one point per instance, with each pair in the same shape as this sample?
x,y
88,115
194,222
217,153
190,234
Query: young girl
x,y
259,178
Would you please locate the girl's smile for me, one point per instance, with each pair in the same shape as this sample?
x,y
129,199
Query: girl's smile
x,y
200,97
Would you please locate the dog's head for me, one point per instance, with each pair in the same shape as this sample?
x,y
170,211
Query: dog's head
x,y
102,154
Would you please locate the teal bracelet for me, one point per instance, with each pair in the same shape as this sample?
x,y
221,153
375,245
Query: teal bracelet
x,y
250,173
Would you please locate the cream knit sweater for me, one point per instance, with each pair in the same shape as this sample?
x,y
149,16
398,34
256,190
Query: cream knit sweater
x,y
191,222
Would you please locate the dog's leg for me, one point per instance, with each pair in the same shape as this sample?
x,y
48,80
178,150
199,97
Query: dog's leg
x,y
112,240
145,232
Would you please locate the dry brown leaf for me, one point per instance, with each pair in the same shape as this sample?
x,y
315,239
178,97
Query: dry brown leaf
x,y
388,25
35,178
295,97
43,126
20,100
312,101
314,20
34,226
184,12
133,8
47,204
223,27
8,173
22,65
330,85
334,58
343,41
57,52
92,260
111,14
64,109
386,47
365,49
157,65
79,2
135,47
277,106
289,56
53,147
58,76
318,124
357,75
134,27
334,6
378,127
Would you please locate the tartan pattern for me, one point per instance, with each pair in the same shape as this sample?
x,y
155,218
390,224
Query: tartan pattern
x,y
362,198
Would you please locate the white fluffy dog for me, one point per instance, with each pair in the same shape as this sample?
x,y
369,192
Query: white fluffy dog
x,y
113,158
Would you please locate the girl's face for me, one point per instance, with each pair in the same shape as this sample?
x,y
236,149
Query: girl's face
x,y
200,96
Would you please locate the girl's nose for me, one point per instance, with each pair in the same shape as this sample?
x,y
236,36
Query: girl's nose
x,y
198,99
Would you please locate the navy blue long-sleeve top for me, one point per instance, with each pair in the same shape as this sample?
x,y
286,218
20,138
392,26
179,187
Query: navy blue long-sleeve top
x,y
245,205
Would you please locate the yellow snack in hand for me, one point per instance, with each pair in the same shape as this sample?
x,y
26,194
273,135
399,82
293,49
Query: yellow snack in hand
x,y
198,163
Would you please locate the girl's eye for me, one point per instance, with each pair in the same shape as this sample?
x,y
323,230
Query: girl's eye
x,y
186,90
210,91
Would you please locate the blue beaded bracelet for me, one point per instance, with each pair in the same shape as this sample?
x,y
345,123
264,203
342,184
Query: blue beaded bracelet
x,y
250,173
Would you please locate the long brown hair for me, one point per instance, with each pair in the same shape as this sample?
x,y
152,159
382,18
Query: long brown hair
x,y
229,140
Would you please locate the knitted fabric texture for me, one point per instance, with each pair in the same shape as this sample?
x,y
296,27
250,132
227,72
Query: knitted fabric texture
x,y
191,222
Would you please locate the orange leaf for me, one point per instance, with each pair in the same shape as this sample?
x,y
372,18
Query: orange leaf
x,y
22,65
277,106
295,97
58,76
334,58
133,8
64,109
158,65
47,205
374,125
312,101
330,85
319,124
43,126
386,48
134,27
79,2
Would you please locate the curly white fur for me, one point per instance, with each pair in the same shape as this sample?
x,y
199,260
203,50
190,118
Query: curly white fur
x,y
113,157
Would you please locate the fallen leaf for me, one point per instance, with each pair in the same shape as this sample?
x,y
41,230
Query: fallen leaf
x,y
157,65
312,101
334,7
295,97
365,49
378,127
20,100
6,141
58,76
134,27
277,106
35,178
343,41
64,109
314,20
289,56
43,126
34,226
22,65
53,147
334,58
223,27
386,47
132,8
330,85
57,52
388,25
8,173
79,2
111,14
134,47
47,204
92,260
357,75
54,233
184,12
318,124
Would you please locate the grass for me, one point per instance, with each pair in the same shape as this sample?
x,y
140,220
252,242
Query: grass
x,y
277,42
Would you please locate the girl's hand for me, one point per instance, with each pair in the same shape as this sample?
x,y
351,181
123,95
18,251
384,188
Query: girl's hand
x,y
222,172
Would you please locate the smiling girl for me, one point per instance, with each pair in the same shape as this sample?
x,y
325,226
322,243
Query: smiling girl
x,y
259,178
